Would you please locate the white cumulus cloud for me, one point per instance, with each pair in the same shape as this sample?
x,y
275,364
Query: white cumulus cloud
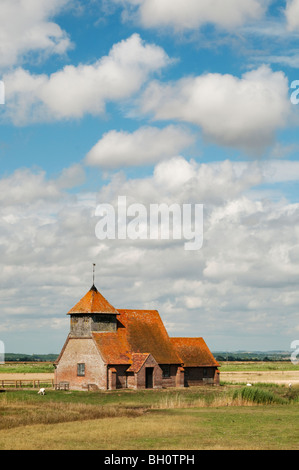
x,y
75,91
191,14
26,26
236,285
292,14
144,146
236,112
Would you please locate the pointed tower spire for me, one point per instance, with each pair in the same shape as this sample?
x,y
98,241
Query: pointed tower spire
x,y
93,302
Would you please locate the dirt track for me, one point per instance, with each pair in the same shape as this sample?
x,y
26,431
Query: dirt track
x,y
278,377
26,376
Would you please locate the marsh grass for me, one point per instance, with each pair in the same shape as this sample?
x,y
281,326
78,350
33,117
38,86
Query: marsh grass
x,y
178,400
257,396
24,413
264,394
23,408
233,416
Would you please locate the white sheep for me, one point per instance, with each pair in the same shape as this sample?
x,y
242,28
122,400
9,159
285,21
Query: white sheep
x,y
41,391
248,385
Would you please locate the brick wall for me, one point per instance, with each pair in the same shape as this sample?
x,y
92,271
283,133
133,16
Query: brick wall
x,y
180,377
81,351
171,380
131,380
157,374
121,376
83,325
200,376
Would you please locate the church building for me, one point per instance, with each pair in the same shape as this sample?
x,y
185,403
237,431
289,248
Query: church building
x,y
109,348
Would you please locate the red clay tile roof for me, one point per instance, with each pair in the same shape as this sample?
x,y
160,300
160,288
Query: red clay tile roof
x,y
138,361
93,302
113,347
139,331
146,333
194,352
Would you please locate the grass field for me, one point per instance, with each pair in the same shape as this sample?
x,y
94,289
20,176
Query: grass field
x,y
28,368
231,416
283,372
225,417
256,428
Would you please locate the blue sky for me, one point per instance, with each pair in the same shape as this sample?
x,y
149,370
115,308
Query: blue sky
x,y
161,101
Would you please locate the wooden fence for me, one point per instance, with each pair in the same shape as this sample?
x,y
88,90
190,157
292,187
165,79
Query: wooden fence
x,y
46,383
29,384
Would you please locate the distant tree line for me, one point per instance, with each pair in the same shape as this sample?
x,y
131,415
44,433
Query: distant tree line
x,y
219,356
13,357
252,356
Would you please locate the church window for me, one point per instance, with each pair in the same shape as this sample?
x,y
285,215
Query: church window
x,y
81,370
165,370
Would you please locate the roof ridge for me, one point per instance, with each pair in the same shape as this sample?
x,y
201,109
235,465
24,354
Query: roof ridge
x,y
137,310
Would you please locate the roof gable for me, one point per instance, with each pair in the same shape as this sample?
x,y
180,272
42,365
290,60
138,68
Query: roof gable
x,y
138,361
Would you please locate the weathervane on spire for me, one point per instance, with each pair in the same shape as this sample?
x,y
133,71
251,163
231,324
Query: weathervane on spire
x,y
93,272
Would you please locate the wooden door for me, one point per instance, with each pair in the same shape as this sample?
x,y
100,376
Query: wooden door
x,y
149,372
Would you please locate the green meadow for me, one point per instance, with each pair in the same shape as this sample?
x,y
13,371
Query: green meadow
x,y
262,417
